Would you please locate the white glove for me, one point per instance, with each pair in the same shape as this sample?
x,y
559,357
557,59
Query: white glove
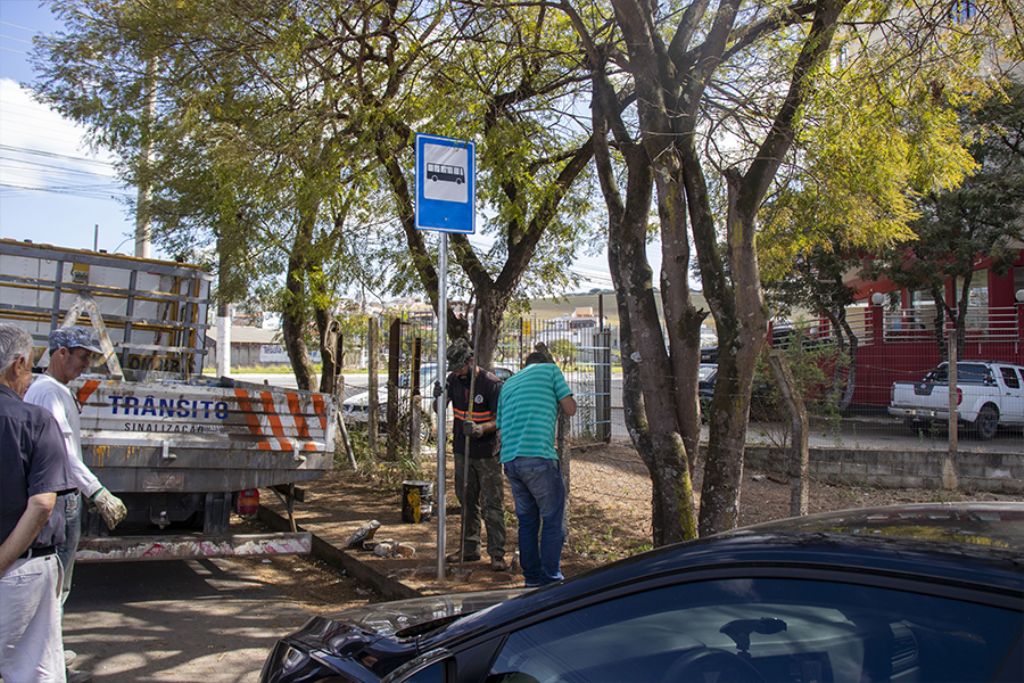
x,y
110,507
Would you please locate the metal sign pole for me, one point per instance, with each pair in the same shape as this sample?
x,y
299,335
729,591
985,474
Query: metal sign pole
x,y
442,400
446,202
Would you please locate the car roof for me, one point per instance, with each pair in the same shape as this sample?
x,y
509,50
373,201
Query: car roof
x,y
978,545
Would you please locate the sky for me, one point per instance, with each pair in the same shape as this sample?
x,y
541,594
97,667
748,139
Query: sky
x,y
54,189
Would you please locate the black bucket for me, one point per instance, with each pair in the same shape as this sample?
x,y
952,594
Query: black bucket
x,y
417,501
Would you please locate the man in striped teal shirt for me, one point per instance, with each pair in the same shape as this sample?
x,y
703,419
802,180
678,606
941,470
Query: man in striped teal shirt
x,y
527,419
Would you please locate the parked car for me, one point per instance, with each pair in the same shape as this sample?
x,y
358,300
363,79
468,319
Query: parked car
x,y
904,593
760,393
706,385
783,336
356,408
989,395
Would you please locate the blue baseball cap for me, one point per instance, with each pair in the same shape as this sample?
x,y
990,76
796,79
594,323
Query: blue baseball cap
x,y
74,338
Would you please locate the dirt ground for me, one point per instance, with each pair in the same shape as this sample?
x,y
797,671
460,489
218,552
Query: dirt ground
x,y
610,501
308,582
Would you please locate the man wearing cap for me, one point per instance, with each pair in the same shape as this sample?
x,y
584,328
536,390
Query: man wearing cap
x,y
33,470
527,420
479,486
71,353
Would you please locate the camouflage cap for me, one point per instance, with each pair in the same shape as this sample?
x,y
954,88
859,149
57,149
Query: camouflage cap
x,y
74,338
459,353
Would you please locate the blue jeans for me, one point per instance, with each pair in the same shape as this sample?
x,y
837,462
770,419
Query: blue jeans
x,y
72,533
539,494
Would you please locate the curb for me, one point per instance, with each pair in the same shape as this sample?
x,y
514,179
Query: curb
x,y
340,560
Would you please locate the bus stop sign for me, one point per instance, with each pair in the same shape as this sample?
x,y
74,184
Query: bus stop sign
x,y
445,184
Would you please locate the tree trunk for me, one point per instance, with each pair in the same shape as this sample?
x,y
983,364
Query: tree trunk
x,y
745,333
682,319
963,302
293,315
851,376
653,422
323,320
491,305
798,461
939,298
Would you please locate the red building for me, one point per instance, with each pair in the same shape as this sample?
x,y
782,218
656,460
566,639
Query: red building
x,y
900,342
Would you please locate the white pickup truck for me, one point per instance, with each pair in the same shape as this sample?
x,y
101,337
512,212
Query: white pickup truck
x,y
989,395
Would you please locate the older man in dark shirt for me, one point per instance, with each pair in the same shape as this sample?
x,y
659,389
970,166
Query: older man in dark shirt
x,y
33,470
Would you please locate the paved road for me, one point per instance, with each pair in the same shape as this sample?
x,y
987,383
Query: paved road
x,y
206,620
871,432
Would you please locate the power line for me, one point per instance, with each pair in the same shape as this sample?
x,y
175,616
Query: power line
x,y
83,191
56,155
17,26
15,39
31,164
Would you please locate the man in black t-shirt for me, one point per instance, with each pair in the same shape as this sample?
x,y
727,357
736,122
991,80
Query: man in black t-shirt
x,y
33,470
483,488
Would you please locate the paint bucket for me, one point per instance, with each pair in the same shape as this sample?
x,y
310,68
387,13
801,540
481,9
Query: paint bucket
x,y
417,501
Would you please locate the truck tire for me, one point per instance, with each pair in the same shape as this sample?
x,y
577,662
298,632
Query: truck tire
x,y
919,427
987,422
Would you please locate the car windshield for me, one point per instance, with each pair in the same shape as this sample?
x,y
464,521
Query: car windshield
x,y
706,371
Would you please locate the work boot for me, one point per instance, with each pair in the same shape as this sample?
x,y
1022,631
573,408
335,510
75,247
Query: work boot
x,y
498,564
468,557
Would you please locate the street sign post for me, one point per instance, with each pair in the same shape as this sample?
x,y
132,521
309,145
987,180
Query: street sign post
x,y
445,202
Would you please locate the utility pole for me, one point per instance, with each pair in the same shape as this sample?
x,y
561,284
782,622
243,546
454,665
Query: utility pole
x,y
950,479
143,229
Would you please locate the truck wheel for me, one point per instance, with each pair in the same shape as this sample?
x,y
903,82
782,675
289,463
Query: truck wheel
x,y
917,426
987,423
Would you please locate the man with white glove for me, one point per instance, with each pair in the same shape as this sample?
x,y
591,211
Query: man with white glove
x,y
71,353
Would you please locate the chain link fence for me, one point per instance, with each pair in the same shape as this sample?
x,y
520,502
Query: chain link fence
x,y
846,378
405,357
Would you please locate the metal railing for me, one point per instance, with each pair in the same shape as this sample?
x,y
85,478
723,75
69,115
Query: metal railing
x,y
821,331
996,324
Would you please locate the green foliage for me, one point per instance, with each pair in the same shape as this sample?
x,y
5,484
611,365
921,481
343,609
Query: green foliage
x,y
871,144
276,122
982,216
564,351
812,368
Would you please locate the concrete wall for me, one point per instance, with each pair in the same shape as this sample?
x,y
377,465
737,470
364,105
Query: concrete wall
x,y
993,472
243,355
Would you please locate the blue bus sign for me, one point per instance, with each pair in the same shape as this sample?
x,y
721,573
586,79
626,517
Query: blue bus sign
x,y
445,184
